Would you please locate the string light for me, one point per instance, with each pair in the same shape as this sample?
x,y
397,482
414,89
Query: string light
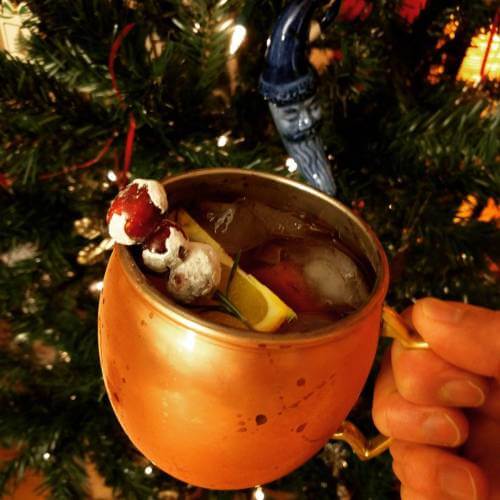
x,y
96,287
222,141
237,38
148,470
65,356
258,494
46,455
111,176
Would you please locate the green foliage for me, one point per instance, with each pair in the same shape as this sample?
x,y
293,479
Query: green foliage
x,y
406,153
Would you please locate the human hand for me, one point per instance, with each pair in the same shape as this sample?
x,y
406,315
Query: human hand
x,y
433,402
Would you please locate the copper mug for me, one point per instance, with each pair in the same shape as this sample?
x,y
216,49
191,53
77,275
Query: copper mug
x,y
227,409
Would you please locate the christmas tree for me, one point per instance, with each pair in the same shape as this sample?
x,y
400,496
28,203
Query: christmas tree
x,y
102,91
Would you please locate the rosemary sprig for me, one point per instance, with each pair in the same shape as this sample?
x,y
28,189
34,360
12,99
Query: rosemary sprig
x,y
234,267
223,297
230,308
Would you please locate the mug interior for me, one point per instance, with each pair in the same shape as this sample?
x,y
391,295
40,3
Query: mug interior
x,y
278,192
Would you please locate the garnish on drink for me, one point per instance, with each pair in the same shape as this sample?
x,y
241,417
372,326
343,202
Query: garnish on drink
x,y
240,262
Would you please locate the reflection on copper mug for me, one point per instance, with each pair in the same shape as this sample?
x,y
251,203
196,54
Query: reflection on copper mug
x,y
228,409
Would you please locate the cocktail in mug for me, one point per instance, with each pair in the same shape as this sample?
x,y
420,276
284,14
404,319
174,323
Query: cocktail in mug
x,y
211,401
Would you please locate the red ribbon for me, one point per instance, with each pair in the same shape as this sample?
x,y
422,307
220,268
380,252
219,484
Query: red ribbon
x,y
87,164
129,143
494,29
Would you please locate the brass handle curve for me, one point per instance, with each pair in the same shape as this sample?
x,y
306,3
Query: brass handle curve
x,y
393,326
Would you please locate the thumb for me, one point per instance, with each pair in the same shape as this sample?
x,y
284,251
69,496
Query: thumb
x,y
464,335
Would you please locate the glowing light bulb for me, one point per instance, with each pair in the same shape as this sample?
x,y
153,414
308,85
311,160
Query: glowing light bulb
x,y
148,470
111,176
237,38
96,287
222,140
258,494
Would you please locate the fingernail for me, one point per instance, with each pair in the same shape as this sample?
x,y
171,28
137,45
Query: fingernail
x,y
441,430
438,310
462,393
457,482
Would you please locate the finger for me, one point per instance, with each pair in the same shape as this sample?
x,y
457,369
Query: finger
x,y
483,445
491,406
464,335
422,377
398,418
436,473
407,316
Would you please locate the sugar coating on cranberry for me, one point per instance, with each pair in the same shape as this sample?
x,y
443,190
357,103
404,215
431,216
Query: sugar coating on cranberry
x,y
136,211
197,276
166,248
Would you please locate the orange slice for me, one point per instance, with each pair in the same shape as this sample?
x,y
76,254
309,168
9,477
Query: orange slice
x,y
262,308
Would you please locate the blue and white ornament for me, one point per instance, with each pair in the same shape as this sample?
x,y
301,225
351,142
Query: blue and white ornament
x,y
289,84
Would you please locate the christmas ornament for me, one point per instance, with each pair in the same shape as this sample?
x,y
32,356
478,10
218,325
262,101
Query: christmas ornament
x,y
12,18
92,253
410,9
289,84
482,59
136,211
351,10
30,485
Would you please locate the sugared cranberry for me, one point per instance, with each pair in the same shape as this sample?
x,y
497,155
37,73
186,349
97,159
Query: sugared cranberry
x,y
136,211
166,247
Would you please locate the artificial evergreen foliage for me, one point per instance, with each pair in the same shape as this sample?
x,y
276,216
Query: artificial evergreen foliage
x,y
405,150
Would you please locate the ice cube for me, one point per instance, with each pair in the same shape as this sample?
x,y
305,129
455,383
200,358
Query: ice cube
x,y
282,223
233,225
334,276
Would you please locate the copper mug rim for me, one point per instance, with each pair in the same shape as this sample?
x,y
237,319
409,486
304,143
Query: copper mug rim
x,y
235,336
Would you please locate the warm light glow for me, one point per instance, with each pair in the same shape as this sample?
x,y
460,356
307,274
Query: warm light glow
x,y
111,176
46,455
466,210
237,38
490,212
224,25
96,287
259,494
222,140
291,165
148,470
451,28
470,70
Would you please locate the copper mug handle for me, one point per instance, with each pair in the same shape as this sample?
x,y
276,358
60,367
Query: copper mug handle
x,y
392,326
